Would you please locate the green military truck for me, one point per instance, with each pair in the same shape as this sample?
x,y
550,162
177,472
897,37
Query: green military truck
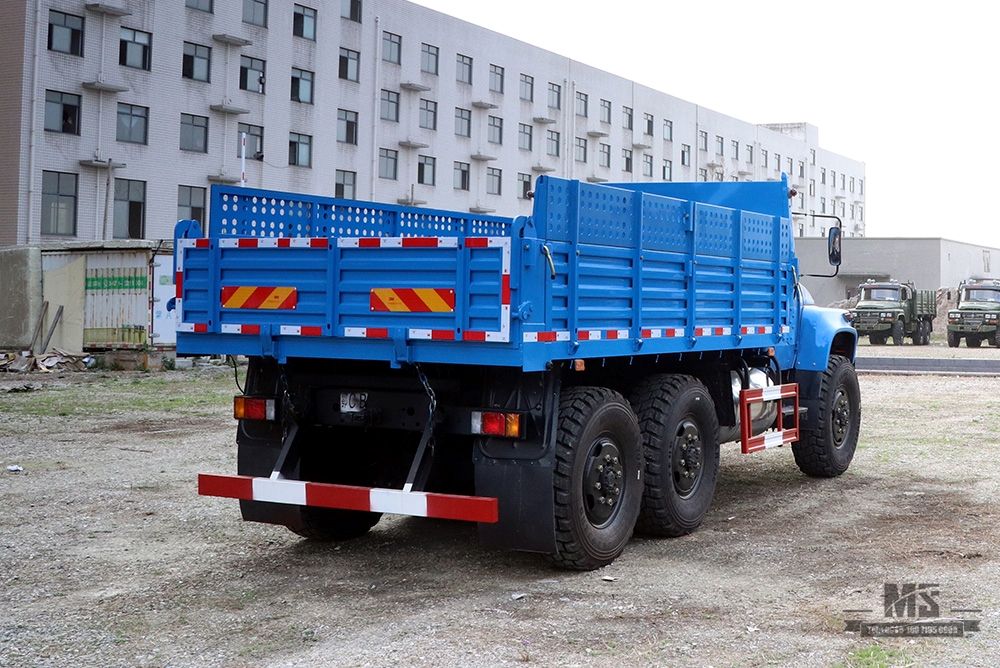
x,y
890,309
977,314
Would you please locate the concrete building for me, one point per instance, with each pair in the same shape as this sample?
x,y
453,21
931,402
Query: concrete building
x,y
119,115
929,263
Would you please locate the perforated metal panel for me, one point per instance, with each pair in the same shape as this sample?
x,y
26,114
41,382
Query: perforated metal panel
x,y
715,230
606,216
757,236
245,212
665,223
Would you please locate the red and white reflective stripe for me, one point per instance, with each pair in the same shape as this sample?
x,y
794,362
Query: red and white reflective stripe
x,y
366,332
545,337
240,329
785,329
750,444
713,331
598,334
432,334
765,329
275,242
347,497
301,330
397,242
196,327
663,333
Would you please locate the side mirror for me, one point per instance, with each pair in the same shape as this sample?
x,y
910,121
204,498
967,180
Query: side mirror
x,y
833,246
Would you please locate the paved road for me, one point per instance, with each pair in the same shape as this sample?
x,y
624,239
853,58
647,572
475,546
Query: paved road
x,y
966,366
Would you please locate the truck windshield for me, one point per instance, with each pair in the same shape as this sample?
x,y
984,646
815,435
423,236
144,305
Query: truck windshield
x,y
981,295
879,294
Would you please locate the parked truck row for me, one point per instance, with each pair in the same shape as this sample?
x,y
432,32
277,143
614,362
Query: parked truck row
x,y
561,379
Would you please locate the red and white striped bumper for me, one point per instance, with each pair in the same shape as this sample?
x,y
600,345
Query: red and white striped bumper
x,y
348,497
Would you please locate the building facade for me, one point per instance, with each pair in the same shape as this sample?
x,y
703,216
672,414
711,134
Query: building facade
x,y
121,114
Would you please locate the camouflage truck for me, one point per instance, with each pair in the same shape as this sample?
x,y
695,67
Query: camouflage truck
x,y
977,314
890,309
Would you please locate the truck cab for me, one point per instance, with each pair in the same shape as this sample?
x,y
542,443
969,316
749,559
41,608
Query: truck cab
x,y
977,314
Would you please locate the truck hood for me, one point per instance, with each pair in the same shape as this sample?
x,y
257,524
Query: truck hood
x,y
979,306
878,306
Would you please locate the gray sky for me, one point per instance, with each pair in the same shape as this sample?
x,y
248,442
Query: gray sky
x,y
908,88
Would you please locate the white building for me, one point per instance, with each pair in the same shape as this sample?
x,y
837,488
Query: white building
x,y
120,114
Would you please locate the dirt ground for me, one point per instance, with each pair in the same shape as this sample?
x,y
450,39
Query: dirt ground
x,y
108,557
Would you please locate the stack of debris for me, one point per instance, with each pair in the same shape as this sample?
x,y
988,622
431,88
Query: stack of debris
x,y
55,360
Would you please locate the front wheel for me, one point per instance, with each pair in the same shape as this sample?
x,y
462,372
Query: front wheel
x,y
953,339
680,438
598,477
876,339
897,333
827,450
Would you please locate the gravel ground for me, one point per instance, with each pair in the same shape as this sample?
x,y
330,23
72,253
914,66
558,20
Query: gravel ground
x,y
109,558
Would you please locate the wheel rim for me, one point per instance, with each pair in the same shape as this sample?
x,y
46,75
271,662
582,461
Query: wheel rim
x,y
687,458
602,483
841,423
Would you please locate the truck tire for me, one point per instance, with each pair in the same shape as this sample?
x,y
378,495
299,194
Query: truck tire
x,y
598,477
953,339
680,438
827,450
876,339
897,333
973,340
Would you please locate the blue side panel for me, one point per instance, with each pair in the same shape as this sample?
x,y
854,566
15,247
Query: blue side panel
x,y
767,197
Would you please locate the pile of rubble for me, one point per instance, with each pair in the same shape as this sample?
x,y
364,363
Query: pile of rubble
x,y
54,360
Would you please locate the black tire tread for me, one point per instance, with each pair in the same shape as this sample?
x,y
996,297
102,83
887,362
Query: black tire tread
x,y
812,452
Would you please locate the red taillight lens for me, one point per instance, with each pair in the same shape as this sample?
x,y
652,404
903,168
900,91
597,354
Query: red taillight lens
x,y
497,424
253,408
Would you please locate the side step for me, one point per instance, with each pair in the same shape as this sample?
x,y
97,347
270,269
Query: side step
x,y
348,497
788,392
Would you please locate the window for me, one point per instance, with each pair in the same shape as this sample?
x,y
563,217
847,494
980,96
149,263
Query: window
x,y
552,143
255,12
65,33
495,130
790,161
350,64
133,123
194,133
299,149
347,126
494,181
702,140
302,86
735,149
749,148
304,22
351,10
647,121
388,160
252,74
581,104
555,96
389,106
647,164
134,48
802,169
191,204
463,69
861,186
58,203
812,156
822,205
62,112
130,209
197,61
426,166
346,187
580,149
627,160
201,5
763,158
428,114
461,176
255,140
668,170
605,111
429,59
668,130
496,78
627,118
686,155
524,136
527,88
463,122
812,187
777,161
842,182
523,186
852,184
720,143
604,155
392,48
702,174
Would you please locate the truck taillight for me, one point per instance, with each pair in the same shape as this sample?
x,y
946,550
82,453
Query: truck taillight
x,y
496,424
253,408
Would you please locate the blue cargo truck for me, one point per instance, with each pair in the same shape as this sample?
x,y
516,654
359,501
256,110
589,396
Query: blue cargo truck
x,y
562,379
